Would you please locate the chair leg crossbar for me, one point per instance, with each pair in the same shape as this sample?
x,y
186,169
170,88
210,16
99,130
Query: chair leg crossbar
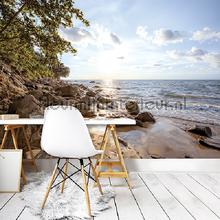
x,y
63,172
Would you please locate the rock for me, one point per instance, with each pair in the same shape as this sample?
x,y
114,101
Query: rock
x,y
37,93
201,130
68,91
132,107
50,99
101,106
88,99
213,142
91,93
30,85
142,124
155,156
25,106
85,110
104,100
92,81
98,90
122,141
145,117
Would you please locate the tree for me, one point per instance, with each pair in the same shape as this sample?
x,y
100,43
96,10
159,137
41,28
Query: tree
x,y
29,34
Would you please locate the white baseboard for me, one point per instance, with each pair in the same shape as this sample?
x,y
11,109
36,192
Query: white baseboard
x,y
154,165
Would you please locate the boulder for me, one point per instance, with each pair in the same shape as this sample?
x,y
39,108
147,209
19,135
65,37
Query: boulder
x,y
85,110
25,106
88,99
37,93
91,93
201,130
132,107
145,117
50,99
104,100
68,91
213,142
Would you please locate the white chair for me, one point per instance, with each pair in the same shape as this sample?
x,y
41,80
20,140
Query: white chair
x,y
66,136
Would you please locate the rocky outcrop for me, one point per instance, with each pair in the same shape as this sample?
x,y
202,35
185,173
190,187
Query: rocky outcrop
x,y
145,117
26,106
104,100
68,91
201,130
132,107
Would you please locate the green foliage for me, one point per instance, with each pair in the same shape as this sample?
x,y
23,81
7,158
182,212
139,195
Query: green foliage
x,y
29,35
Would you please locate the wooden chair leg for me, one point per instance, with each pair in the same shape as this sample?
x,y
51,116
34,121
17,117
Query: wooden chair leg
x,y
65,171
16,147
29,148
49,186
4,139
85,188
96,177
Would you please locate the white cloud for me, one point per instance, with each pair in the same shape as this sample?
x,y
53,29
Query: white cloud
x,y
75,34
206,34
142,33
166,36
160,37
196,55
213,59
96,35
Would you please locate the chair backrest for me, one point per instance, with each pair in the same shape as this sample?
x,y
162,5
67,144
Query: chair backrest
x,y
65,133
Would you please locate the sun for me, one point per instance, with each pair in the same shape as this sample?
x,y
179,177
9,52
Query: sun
x,y
107,63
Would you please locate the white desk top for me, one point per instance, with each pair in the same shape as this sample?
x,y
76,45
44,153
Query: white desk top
x,y
93,121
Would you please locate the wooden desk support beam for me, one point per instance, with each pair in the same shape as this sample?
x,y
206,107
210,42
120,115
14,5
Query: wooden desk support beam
x,y
101,162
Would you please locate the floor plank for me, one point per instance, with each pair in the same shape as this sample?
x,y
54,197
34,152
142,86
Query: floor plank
x,y
193,204
26,215
208,182
212,202
12,209
125,202
150,208
171,205
5,198
111,213
154,196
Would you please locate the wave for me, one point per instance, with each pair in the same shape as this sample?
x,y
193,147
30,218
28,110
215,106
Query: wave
x,y
176,95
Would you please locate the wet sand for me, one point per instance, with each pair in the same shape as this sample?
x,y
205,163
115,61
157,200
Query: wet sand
x,y
167,138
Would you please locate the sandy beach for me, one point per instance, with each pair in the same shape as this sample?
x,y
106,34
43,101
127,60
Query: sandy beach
x,y
167,138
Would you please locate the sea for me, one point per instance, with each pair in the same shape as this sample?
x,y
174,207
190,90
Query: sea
x,y
194,100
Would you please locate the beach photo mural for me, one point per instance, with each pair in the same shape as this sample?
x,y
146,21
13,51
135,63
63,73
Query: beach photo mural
x,y
155,61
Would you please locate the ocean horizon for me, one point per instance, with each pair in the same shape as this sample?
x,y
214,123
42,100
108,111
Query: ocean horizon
x,y
196,100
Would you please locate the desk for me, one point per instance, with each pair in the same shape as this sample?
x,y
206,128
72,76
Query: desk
x,y
92,121
101,162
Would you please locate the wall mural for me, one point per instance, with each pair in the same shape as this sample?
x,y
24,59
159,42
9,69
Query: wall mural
x,y
134,59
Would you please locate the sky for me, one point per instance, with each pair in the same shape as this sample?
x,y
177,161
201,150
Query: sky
x,y
145,39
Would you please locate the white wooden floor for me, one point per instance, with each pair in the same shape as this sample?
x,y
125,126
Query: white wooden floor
x,y
154,196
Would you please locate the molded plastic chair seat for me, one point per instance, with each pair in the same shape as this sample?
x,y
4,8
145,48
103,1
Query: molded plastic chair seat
x,y
65,134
